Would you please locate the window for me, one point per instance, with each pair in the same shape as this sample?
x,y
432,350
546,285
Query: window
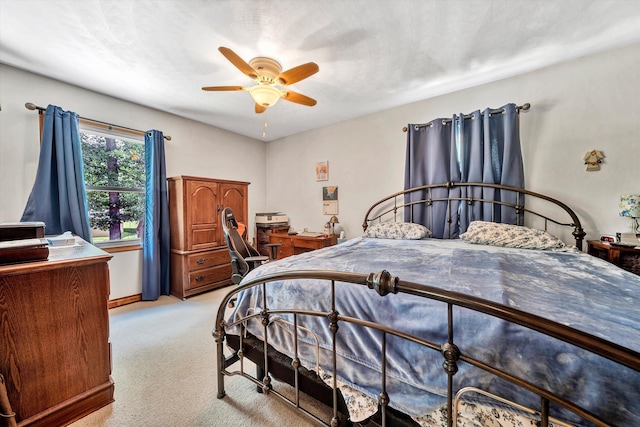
x,y
114,175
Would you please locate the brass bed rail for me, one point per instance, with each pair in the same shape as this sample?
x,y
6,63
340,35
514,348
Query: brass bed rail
x,y
394,203
384,283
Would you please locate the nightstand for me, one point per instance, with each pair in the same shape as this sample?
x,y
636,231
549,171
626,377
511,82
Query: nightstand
x,y
622,256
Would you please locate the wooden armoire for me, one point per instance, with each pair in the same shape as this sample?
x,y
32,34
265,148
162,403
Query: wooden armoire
x,y
200,259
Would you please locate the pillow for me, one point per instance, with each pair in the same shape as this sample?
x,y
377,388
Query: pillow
x,y
511,236
398,230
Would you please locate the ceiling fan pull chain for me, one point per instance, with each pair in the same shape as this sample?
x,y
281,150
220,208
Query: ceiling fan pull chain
x,y
266,125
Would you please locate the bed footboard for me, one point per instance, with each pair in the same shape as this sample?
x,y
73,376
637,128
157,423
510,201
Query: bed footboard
x,y
290,370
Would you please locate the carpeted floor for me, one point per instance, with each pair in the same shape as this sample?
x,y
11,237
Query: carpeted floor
x,y
163,357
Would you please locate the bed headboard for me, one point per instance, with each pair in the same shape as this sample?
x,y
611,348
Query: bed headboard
x,y
540,207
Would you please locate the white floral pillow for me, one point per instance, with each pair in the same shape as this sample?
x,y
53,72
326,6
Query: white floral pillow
x,y
398,230
511,236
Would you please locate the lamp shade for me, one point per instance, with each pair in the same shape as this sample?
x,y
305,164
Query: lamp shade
x,y
265,95
630,205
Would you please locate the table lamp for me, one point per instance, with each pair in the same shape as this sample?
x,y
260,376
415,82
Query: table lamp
x,y
333,221
630,206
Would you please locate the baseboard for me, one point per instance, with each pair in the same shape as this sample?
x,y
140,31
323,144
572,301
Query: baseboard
x,y
124,301
74,408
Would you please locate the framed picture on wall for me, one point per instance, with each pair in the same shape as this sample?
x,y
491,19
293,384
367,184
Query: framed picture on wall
x,y
330,207
330,200
322,171
330,193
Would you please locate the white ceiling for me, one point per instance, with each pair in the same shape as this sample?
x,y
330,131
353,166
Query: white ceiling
x,y
373,54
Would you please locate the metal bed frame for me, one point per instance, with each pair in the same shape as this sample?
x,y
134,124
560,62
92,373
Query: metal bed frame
x,y
390,207
271,363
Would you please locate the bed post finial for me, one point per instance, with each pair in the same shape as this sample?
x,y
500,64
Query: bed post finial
x,y
382,282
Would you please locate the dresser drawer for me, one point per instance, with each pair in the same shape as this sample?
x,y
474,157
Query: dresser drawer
x,y
286,246
309,243
210,275
208,259
294,244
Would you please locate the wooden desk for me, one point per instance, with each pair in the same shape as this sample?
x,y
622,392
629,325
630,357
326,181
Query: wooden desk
x,y
622,256
55,353
293,244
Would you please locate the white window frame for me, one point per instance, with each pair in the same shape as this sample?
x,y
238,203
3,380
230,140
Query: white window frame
x,y
99,129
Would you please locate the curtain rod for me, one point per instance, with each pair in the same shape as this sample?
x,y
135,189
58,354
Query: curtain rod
x,y
524,107
32,106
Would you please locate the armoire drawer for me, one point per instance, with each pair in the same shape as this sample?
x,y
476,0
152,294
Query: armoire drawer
x,y
208,276
208,259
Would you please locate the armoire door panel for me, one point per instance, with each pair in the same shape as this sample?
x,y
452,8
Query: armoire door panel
x,y
202,216
204,238
235,197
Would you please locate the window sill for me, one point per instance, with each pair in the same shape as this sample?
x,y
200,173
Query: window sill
x,y
119,248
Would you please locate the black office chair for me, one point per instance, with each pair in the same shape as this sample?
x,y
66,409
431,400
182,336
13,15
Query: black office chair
x,y
244,257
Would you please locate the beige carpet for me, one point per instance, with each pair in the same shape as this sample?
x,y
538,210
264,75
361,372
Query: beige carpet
x,y
164,371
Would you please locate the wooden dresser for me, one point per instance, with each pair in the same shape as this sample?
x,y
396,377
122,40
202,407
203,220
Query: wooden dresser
x,y
200,259
55,353
292,244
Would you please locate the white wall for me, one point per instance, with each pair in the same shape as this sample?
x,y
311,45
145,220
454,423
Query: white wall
x,y
577,106
195,149
125,272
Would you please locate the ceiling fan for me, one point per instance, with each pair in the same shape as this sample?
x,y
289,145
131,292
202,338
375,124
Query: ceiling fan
x,y
268,74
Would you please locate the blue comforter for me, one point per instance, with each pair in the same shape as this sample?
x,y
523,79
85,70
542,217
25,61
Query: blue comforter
x,y
571,288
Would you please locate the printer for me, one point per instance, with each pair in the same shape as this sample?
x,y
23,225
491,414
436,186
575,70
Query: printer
x,y
271,219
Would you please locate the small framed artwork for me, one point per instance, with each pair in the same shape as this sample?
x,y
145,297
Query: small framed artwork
x,y
322,171
330,193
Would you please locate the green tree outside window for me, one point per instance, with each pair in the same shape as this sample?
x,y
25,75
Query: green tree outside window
x,y
115,181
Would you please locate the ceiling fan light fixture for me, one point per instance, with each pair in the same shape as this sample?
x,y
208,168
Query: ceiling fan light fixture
x,y
267,74
265,95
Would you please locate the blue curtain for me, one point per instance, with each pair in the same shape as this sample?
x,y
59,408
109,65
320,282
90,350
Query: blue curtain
x,y
58,197
156,244
430,149
483,147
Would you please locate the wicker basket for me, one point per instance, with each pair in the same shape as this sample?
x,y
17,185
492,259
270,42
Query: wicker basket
x,y
630,262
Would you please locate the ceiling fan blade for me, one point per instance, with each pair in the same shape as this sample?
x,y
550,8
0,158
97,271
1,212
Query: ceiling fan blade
x,y
238,62
219,88
298,73
260,109
298,98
